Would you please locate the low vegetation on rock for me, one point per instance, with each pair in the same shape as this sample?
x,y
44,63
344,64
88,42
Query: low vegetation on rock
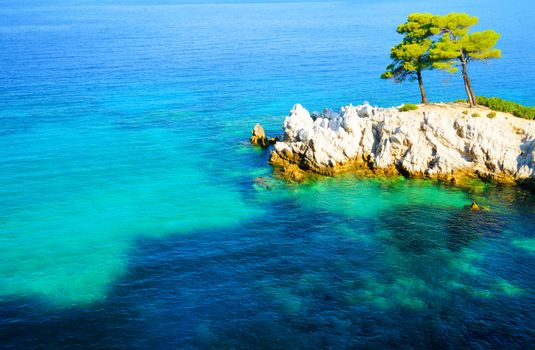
x,y
500,105
408,107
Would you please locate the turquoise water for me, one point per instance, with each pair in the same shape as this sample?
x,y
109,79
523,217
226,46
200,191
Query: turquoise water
x,y
129,217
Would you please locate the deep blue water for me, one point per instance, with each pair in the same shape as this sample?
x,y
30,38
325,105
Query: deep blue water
x,y
129,216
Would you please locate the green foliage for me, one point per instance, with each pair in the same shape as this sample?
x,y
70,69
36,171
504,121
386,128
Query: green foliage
x,y
475,115
411,55
458,24
525,112
500,105
460,101
497,104
418,25
442,42
480,45
491,115
408,107
456,45
465,112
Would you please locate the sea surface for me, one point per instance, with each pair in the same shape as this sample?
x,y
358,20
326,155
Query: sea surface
x,y
129,215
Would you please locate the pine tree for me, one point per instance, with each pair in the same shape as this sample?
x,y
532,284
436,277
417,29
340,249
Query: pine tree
x,y
411,56
457,47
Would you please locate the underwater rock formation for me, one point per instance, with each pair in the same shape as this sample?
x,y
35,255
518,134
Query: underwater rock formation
x,y
440,141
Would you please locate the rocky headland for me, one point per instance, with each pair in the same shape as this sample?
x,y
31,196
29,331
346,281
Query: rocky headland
x,y
449,142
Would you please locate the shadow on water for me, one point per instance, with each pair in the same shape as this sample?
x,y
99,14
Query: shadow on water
x,y
466,226
419,229
183,291
411,230
327,282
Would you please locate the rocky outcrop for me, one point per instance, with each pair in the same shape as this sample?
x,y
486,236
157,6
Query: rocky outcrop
x,y
440,141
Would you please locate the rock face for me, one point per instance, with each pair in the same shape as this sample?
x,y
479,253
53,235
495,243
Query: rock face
x,y
441,141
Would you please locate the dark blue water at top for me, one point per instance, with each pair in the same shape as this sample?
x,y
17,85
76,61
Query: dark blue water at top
x,y
129,217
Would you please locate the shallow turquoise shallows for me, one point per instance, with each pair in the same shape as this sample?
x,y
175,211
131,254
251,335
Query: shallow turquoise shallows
x,y
129,214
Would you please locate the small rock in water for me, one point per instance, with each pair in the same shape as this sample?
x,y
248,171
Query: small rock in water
x,y
474,206
259,137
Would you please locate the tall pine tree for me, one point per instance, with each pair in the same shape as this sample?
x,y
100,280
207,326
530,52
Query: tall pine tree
x,y
457,47
411,57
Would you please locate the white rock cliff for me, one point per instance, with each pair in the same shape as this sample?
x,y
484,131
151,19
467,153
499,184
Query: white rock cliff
x,y
442,141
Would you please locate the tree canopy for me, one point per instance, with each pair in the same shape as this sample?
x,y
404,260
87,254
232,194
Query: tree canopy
x,y
411,56
456,47
442,42
448,53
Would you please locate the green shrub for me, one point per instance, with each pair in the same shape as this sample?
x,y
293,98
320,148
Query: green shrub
x,y
408,107
460,101
491,115
475,115
525,112
465,112
499,105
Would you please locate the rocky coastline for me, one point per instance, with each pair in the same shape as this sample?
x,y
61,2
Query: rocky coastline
x,y
448,142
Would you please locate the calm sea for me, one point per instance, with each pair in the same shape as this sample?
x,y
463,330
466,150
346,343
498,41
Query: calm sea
x,y
129,217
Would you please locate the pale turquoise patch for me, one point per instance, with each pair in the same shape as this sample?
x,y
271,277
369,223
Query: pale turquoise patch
x,y
508,288
66,235
527,244
369,197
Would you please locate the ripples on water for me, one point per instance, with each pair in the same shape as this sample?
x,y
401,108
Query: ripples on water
x,y
129,217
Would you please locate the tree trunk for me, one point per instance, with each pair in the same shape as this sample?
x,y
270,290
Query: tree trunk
x,y
471,90
468,85
422,89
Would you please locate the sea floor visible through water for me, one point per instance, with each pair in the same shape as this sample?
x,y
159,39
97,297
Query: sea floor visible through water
x,y
129,213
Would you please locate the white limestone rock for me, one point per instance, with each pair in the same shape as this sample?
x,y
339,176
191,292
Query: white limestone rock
x,y
435,141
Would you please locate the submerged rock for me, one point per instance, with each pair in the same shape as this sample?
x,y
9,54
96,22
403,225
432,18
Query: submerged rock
x,y
476,207
291,173
436,141
263,182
